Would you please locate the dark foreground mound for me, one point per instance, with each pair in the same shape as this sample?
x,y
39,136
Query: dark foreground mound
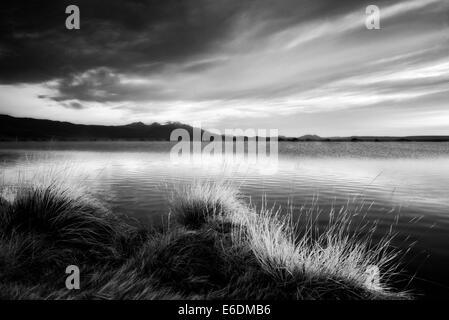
x,y
215,247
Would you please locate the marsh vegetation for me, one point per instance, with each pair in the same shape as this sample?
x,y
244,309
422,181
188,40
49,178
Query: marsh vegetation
x,y
213,245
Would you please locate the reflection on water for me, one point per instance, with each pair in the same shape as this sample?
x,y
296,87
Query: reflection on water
x,y
402,183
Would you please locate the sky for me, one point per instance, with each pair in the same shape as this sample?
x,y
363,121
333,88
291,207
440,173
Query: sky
x,y
299,66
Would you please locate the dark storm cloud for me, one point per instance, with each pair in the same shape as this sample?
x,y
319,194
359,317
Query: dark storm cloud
x,y
103,85
130,35
35,46
75,105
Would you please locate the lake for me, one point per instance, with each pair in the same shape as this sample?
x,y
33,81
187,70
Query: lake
x,y
404,184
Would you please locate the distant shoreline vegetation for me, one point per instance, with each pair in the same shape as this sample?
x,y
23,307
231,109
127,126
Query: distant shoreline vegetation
x,y
26,129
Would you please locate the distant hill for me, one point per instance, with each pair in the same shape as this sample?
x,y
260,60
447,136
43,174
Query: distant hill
x,y
33,129
27,129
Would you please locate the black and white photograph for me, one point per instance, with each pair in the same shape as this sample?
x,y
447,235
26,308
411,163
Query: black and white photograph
x,y
224,150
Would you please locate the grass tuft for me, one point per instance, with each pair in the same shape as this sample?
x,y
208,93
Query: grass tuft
x,y
195,204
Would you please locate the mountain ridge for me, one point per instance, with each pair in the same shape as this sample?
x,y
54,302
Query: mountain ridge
x,y
12,128
30,129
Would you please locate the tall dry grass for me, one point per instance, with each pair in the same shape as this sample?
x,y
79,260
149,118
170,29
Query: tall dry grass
x,y
216,247
336,255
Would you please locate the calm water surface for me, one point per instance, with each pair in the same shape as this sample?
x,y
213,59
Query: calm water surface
x,y
404,184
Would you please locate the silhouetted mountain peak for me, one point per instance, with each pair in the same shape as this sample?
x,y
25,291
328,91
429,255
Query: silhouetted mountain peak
x,y
136,125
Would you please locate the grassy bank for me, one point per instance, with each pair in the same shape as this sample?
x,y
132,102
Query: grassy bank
x,y
214,246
